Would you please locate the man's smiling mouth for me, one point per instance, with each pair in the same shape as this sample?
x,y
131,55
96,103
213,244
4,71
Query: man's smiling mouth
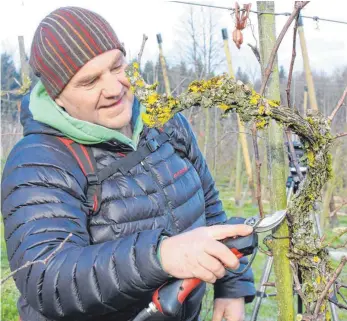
x,y
114,104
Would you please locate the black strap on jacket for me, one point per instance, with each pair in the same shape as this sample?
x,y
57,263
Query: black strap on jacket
x,y
125,164
85,158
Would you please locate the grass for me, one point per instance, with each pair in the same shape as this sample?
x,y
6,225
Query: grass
x,y
268,310
9,292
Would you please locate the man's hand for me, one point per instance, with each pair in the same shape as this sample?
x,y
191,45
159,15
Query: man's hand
x,y
199,254
229,309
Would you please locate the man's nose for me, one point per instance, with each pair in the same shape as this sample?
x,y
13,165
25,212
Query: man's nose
x,y
112,87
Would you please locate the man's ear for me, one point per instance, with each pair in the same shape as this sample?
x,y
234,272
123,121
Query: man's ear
x,y
59,102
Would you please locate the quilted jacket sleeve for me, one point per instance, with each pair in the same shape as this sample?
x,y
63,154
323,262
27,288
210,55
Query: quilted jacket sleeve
x,y
231,285
42,197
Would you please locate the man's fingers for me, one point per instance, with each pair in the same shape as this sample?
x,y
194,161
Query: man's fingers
x,y
220,232
222,253
218,312
211,264
203,274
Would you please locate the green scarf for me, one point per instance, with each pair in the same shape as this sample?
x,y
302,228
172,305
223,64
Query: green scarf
x,y
45,110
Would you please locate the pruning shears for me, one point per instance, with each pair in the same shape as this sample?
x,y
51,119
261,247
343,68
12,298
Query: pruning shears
x,y
169,298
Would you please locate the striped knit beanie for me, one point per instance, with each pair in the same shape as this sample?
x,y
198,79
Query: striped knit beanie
x,y
66,40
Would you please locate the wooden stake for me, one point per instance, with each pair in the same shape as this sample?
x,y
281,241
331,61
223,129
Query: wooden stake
x,y
308,73
163,66
305,101
242,135
276,162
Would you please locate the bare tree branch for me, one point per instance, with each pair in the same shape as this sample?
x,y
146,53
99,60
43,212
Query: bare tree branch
x,y
178,86
288,131
338,208
298,285
336,237
339,104
328,286
338,304
298,6
258,165
340,135
335,247
255,51
290,75
29,263
144,39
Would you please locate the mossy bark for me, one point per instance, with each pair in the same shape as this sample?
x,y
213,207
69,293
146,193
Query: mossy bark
x,y
314,131
330,187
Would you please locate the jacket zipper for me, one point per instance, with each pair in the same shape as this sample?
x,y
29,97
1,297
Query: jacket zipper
x,y
167,201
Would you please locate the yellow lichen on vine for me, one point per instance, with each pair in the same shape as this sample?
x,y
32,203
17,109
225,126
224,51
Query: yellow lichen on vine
x,y
260,124
261,109
310,120
139,83
162,115
310,158
148,119
224,107
316,259
199,86
172,102
273,103
164,118
255,97
164,111
152,99
194,88
322,308
318,279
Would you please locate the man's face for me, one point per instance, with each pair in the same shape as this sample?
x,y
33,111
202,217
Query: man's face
x,y
100,92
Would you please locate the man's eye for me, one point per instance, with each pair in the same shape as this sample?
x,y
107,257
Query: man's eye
x,y
91,82
117,68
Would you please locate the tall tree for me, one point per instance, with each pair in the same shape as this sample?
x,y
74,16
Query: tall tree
x,y
200,47
282,74
148,72
8,73
10,80
240,75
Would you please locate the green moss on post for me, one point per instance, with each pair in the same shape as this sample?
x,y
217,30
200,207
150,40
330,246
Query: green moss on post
x,y
276,161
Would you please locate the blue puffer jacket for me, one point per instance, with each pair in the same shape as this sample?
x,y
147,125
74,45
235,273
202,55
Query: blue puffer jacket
x,y
108,269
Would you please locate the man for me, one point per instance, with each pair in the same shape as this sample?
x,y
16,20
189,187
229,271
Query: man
x,y
150,224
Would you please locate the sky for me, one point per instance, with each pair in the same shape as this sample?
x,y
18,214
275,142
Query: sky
x,y
326,42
